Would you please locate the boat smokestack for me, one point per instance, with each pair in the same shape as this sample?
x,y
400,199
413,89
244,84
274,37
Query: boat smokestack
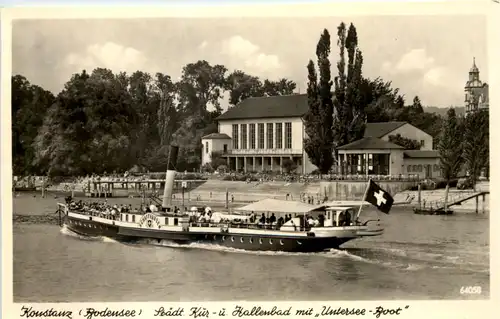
x,y
170,176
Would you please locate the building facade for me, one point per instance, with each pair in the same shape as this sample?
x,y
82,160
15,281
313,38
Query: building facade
x,y
266,134
476,92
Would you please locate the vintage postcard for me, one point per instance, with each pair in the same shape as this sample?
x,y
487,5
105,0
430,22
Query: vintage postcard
x,y
303,161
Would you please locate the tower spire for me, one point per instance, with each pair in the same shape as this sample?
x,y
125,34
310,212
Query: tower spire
x,y
474,68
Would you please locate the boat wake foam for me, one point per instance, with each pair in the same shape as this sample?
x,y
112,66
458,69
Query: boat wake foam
x,y
395,258
68,232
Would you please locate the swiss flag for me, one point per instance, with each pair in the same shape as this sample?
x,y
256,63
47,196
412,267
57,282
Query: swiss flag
x,y
379,197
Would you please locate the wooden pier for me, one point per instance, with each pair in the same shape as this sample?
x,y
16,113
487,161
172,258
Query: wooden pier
x,y
108,188
440,208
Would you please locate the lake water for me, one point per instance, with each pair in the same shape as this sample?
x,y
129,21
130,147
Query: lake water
x,y
418,257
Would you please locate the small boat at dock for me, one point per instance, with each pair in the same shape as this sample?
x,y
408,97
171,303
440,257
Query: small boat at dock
x,y
265,225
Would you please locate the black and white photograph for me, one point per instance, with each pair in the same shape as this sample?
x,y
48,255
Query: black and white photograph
x,y
329,157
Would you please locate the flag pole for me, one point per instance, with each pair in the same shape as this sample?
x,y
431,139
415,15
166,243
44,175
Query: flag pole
x,y
364,198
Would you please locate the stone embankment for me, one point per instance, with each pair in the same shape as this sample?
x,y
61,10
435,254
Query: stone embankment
x,y
214,192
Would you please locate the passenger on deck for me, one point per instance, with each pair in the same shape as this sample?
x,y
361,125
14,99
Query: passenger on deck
x,y
341,219
272,219
262,219
310,221
347,219
281,221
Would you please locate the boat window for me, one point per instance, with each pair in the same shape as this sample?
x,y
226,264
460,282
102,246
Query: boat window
x,y
260,241
223,238
271,241
232,238
176,222
126,218
241,239
281,242
251,240
133,218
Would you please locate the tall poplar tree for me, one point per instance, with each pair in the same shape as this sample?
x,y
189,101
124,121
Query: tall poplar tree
x,y
476,144
349,113
450,150
318,121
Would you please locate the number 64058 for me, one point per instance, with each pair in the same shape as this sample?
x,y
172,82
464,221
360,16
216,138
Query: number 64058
x,y
470,290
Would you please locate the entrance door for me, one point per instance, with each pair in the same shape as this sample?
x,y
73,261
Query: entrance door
x,y
428,171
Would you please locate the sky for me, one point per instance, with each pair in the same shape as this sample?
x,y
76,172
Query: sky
x,y
429,55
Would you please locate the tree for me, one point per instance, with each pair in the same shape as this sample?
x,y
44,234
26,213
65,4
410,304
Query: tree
x,y
449,147
450,150
30,103
349,102
281,87
289,165
417,105
407,143
201,85
476,144
319,119
242,86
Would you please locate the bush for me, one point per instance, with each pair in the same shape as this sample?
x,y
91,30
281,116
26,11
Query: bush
x,y
207,168
442,183
222,169
465,183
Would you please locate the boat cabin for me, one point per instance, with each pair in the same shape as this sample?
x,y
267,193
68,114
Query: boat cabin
x,y
340,216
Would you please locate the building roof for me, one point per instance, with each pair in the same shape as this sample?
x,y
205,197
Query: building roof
x,y
381,129
421,154
294,105
216,136
370,143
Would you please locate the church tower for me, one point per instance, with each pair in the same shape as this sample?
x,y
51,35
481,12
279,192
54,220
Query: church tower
x,y
476,93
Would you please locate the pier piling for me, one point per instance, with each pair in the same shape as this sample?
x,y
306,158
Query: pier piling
x,y
484,202
419,196
43,187
227,199
477,204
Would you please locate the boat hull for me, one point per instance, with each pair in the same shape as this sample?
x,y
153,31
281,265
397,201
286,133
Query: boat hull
x,y
251,242
91,228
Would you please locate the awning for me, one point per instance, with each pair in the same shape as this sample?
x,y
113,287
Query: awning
x,y
345,203
277,205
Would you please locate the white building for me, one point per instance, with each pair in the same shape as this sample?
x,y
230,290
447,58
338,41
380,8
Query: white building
x,y
260,134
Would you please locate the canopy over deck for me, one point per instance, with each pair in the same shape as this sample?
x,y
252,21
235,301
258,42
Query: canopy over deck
x,y
346,203
277,205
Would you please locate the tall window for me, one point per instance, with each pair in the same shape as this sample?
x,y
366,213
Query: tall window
x,y
279,135
243,136
235,136
261,135
252,136
288,135
270,135
206,147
